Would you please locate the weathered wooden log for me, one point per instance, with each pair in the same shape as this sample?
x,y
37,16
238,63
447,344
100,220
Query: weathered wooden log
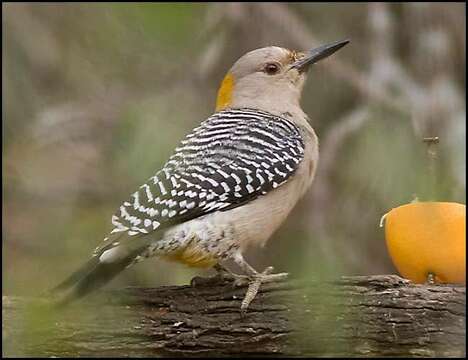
x,y
352,316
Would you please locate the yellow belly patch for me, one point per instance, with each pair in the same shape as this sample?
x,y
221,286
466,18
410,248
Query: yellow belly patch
x,y
193,256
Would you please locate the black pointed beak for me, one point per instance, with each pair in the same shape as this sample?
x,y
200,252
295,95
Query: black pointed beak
x,y
318,54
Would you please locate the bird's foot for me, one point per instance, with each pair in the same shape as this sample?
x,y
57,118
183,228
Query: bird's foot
x,y
222,276
254,281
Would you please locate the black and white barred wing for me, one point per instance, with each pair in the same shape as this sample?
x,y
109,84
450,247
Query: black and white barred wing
x,y
231,158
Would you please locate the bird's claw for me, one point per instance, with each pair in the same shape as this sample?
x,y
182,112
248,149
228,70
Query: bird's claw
x,y
254,285
253,282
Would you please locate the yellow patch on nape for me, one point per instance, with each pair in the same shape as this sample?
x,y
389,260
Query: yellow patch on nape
x,y
224,98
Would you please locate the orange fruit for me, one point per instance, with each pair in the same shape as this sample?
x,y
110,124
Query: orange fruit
x,y
428,237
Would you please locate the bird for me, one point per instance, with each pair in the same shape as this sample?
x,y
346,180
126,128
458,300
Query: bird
x,y
229,184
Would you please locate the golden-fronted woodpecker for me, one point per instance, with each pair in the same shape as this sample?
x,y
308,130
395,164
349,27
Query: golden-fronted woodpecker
x,y
229,184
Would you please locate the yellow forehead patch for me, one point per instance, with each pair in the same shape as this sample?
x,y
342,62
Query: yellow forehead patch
x,y
224,98
294,55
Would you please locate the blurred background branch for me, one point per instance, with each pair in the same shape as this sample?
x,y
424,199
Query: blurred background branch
x,y
97,96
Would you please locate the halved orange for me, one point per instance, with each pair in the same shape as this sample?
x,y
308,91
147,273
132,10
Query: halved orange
x,y
428,238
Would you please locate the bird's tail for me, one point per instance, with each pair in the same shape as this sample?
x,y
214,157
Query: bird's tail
x,y
92,275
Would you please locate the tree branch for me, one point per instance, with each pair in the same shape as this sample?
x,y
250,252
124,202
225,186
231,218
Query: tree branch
x,y
353,316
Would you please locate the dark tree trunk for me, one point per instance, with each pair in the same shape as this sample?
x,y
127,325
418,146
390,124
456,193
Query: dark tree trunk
x,y
353,316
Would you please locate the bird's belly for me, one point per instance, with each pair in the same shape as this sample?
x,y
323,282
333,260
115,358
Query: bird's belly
x,y
200,242
192,256
204,241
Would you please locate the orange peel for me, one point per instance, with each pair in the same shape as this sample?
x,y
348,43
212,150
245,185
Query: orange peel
x,y
427,241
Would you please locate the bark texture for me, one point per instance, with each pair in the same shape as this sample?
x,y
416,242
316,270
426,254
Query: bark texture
x,y
352,316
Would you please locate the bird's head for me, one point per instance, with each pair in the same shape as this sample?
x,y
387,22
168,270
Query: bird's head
x,y
270,77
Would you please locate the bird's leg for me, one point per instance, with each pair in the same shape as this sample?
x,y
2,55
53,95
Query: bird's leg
x,y
222,275
226,275
254,280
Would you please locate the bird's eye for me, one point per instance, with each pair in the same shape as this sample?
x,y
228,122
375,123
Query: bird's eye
x,y
271,68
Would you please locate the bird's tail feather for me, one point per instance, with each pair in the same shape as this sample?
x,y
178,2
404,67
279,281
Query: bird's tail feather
x,y
92,276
